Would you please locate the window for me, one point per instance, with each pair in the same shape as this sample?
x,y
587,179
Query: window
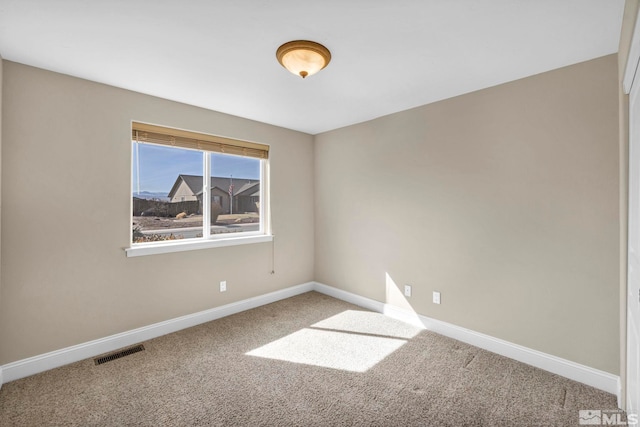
x,y
191,190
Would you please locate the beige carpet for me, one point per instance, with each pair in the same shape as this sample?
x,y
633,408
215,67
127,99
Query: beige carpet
x,y
310,360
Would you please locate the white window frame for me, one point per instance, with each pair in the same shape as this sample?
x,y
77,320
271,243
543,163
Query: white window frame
x,y
209,240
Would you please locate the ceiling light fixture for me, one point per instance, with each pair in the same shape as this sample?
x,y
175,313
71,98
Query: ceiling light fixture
x,y
303,58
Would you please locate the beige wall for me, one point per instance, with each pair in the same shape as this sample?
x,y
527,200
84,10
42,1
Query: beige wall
x,y
66,216
505,200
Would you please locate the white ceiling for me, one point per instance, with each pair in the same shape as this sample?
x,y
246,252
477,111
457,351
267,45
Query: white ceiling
x,y
388,56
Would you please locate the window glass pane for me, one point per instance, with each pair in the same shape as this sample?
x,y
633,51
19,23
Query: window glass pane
x,y
235,194
167,193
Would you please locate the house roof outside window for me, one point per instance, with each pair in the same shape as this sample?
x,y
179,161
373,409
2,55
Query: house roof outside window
x,y
194,182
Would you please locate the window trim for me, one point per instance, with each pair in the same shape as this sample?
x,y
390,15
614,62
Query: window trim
x,y
195,244
209,240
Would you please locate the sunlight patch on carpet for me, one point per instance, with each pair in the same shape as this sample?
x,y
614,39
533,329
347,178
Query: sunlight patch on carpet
x,y
330,349
366,322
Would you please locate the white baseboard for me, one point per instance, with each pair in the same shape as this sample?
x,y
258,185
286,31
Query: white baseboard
x,y
566,368
33,365
577,372
354,299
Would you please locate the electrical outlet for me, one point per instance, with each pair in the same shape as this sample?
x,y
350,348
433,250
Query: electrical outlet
x,y
223,286
436,297
407,290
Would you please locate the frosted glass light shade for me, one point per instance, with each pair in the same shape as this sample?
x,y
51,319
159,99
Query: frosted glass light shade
x,y
303,58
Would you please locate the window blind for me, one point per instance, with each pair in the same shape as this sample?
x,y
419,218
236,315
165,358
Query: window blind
x,y
142,132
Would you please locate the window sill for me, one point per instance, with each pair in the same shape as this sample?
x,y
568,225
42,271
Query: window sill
x,y
192,245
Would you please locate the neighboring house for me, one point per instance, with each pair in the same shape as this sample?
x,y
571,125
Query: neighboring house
x,y
246,192
185,188
247,197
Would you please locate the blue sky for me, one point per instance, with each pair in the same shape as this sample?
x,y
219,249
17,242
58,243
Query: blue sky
x,y
159,166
